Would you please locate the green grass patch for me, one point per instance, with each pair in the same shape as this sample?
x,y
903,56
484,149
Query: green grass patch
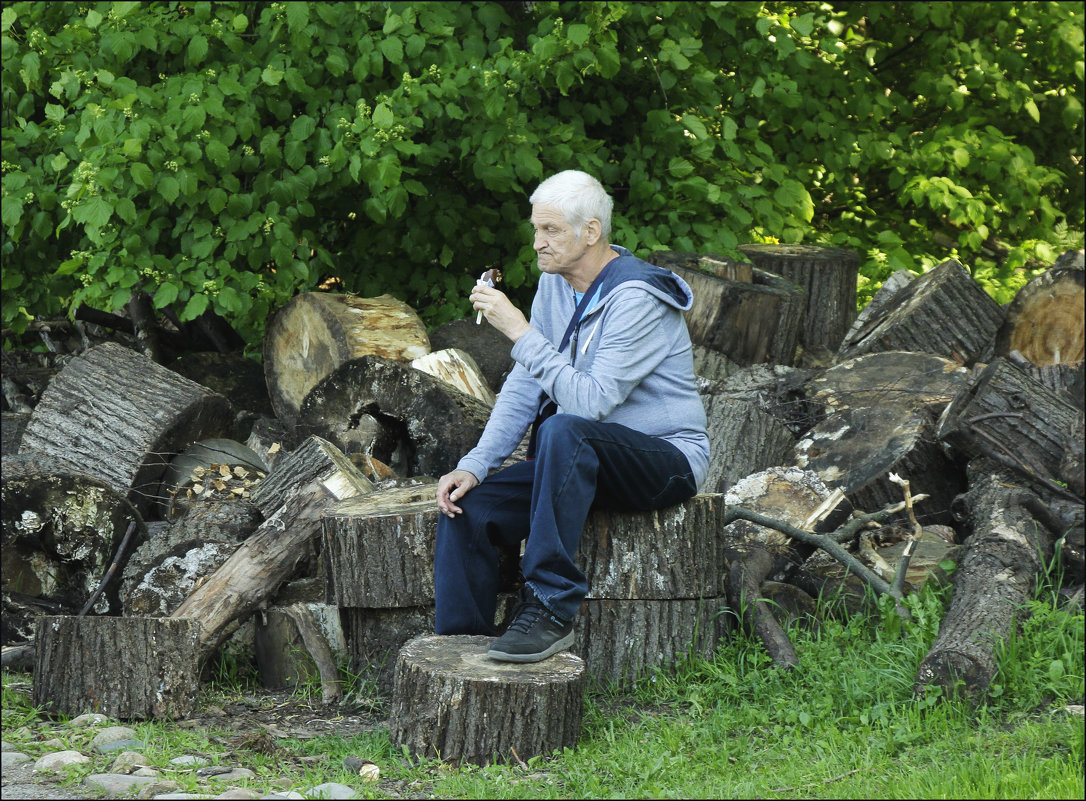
x,y
845,724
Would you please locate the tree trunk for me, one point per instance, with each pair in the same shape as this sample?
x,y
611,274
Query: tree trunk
x,y
775,389
420,425
896,378
1009,417
857,449
315,459
165,584
123,667
1046,321
120,416
994,581
749,322
316,332
453,703
268,558
457,369
742,440
943,312
827,275
61,531
622,640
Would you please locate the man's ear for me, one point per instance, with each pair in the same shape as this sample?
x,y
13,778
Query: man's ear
x,y
593,229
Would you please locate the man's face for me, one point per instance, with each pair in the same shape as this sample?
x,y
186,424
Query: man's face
x,y
556,244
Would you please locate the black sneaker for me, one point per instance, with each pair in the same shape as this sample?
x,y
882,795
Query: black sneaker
x,y
533,635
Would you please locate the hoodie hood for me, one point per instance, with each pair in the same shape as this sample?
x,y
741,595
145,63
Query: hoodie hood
x,y
664,284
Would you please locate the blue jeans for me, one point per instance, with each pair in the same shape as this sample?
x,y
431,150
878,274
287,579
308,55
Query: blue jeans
x,y
579,464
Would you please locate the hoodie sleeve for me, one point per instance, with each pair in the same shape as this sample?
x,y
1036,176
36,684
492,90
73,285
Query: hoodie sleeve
x,y
631,337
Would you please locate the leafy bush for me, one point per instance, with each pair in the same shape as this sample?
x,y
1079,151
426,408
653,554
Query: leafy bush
x,y
228,155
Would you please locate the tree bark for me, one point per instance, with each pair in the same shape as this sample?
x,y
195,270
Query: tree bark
x,y
420,425
856,449
943,312
827,275
374,638
123,667
749,322
12,426
292,646
1008,416
453,703
742,440
622,640
775,389
121,416
994,580
316,332
875,307
1046,321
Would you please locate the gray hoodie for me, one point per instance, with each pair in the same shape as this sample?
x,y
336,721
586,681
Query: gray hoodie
x,y
629,362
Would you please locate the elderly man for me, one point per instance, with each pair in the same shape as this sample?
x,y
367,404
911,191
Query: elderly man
x,y
605,372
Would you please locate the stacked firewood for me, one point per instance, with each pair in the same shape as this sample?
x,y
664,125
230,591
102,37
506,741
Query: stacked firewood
x,y
849,453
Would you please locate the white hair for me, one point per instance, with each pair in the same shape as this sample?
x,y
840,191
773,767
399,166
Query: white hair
x,y
579,197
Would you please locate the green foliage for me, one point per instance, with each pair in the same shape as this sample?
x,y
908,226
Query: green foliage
x,y
228,155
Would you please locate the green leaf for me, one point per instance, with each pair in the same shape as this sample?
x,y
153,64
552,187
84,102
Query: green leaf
x,y
168,188
197,49
297,15
141,174
1031,109
271,76
7,18
216,200
166,294
382,116
196,306
392,49
218,153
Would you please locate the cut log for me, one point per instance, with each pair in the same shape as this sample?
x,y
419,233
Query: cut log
x,y
453,703
1065,377
750,322
81,661
121,416
943,312
374,638
232,375
165,583
421,423
858,449
61,531
1046,321
316,332
486,345
895,378
315,459
457,369
623,640
268,558
775,389
788,494
378,549
1013,419
994,581
742,440
827,275
876,306
293,644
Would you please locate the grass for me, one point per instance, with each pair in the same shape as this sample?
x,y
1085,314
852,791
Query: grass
x,y
846,724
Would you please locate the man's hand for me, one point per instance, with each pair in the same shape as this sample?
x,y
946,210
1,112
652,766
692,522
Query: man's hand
x,y
451,488
499,311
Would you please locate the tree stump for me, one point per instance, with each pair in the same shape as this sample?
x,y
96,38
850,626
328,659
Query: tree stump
x,y
749,322
374,637
453,703
61,530
742,440
1046,321
379,548
999,564
875,307
827,275
121,416
418,424
316,332
269,557
1013,419
856,449
122,667
622,640
897,378
944,312
487,346
457,369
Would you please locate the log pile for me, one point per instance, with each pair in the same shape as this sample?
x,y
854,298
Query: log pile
x,y
848,453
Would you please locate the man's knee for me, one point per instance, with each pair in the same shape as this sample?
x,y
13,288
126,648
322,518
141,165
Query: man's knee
x,y
564,427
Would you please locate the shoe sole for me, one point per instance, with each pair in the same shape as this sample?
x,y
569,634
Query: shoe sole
x,y
559,645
